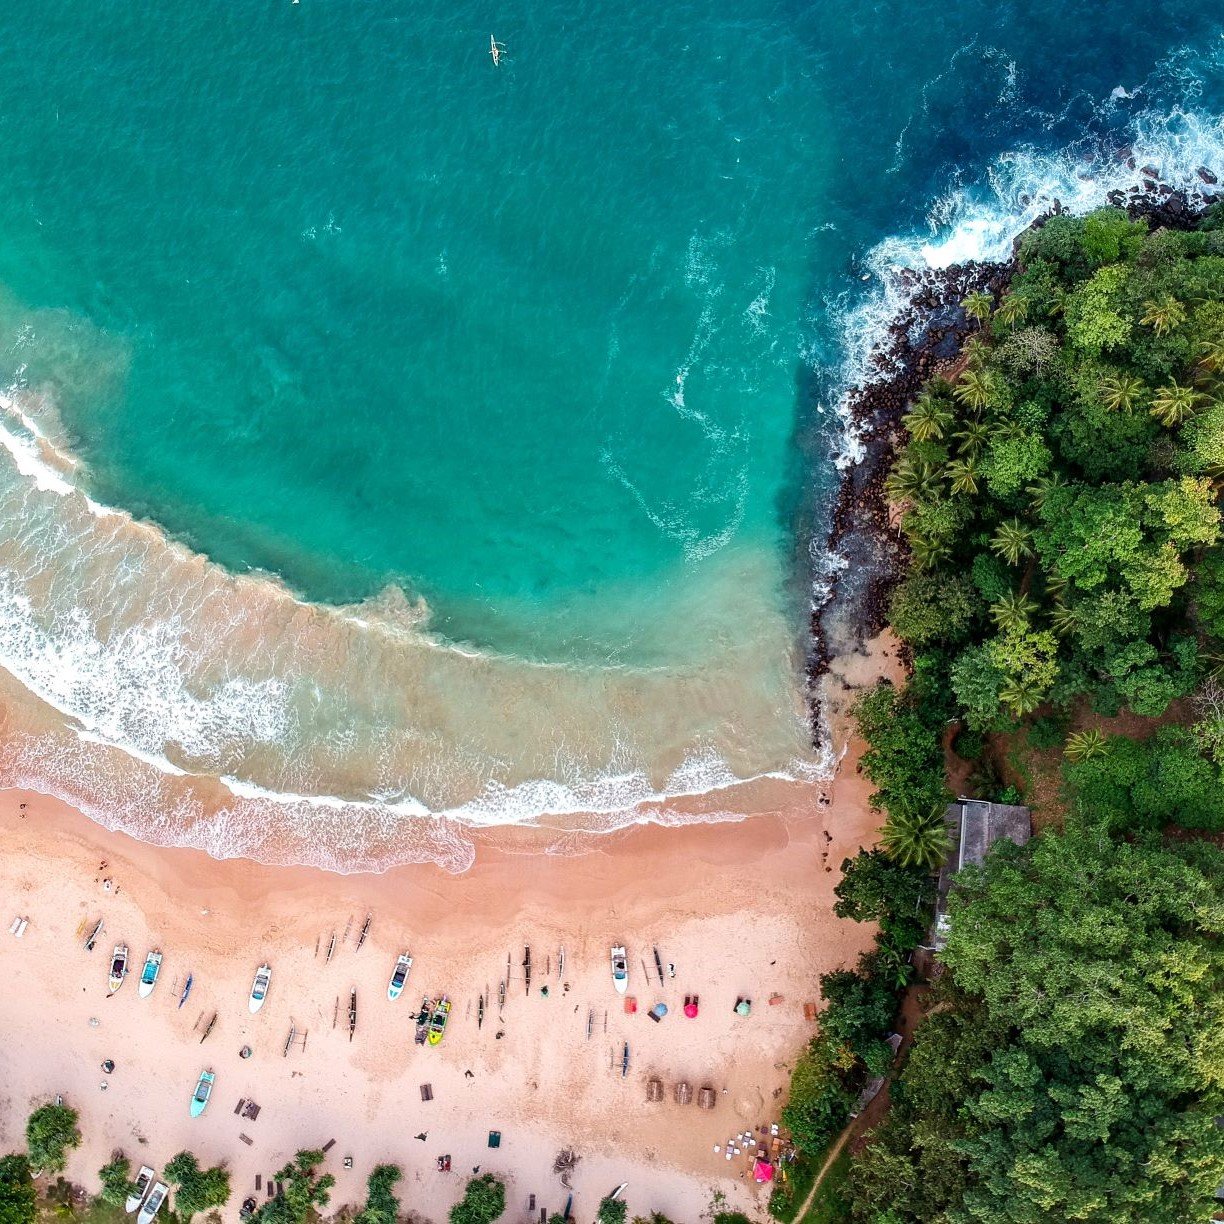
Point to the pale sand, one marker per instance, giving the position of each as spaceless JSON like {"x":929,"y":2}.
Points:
{"x":742,"y":908}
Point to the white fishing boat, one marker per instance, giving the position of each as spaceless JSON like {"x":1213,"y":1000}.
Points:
{"x":119,"y":967}
{"x":259,"y":988}
{"x":153,"y":1204}
{"x":496,"y":50}
{"x":620,"y":969}
{"x":140,"y":1187}
{"x":148,"y":975}
{"x":395,"y":987}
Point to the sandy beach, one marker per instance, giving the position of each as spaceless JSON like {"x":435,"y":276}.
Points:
{"x":738,"y":909}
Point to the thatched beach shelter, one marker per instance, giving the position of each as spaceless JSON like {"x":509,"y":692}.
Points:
{"x":706,"y":1097}
{"x":683,"y":1093}
{"x":654,"y":1089}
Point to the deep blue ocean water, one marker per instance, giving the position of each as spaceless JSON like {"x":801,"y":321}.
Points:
{"x":516,"y":359}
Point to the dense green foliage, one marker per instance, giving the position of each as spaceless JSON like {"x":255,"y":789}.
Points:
{"x":304,"y":1191}
{"x":18,"y":1199}
{"x":1071,"y":1068}
{"x":116,"y":1178}
{"x":1074,"y":1072}
{"x":196,"y":1189}
{"x":50,"y":1132}
{"x":382,"y":1206}
{"x":612,"y":1211}
{"x":483,"y":1201}
{"x":859,"y":1005}
{"x":1057,"y":494}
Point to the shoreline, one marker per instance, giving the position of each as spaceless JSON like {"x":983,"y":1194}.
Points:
{"x":742,"y":908}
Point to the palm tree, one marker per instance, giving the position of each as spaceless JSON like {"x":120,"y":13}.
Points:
{"x":1121,"y":392}
{"x":1062,"y":619}
{"x":1021,"y":696}
{"x":1163,"y":314}
{"x":909,"y":479}
{"x":1212,"y":353}
{"x":974,"y":352}
{"x":916,"y":837}
{"x":972,"y":437}
{"x":1011,"y":542}
{"x":927,"y":553}
{"x":978,"y":306}
{"x":1044,"y":486}
{"x":1175,"y":404}
{"x":963,"y":474}
{"x":1084,"y":745}
{"x":974,"y":389}
{"x":1012,"y":310}
{"x":928,"y":418}
{"x":1012,"y":611}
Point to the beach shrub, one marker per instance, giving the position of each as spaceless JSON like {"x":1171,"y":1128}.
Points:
{"x":731,"y":1217}
{"x":484,"y":1200}
{"x":382,"y":1206}
{"x":931,"y":608}
{"x":116,"y":1178}
{"x":903,"y":758}
{"x":18,"y":1197}
{"x":874,"y":888}
{"x":305,"y":1190}
{"x":612,"y":1211}
{"x":196,"y":1189}
{"x":50,"y":1132}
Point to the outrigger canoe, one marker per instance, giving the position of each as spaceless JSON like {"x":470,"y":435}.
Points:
{"x":620,"y":970}
{"x":259,"y":988}
{"x":139,"y":1188}
{"x":437,"y":1022}
{"x":203,"y":1090}
{"x":422,"y":1020}
{"x":119,"y":967}
{"x":153,"y":1204}
{"x":400,"y":975}
{"x":148,"y":975}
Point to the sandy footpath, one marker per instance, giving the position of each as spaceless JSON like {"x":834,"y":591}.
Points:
{"x":740,"y":909}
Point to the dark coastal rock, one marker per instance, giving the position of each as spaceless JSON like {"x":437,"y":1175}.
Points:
{"x":924,"y":339}
{"x":1207,"y":176}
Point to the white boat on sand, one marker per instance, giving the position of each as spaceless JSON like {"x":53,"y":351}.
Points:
{"x":148,"y":975}
{"x":259,"y":988}
{"x":399,"y":976}
{"x":140,"y":1188}
{"x":153,"y":1204}
{"x":620,"y":969}
{"x":119,"y":967}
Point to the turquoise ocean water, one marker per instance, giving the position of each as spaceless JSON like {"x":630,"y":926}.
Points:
{"x":409,"y":441}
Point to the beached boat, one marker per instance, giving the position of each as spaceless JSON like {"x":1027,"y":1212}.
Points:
{"x":422,"y":1020}
{"x":620,"y":970}
{"x":140,"y":1188}
{"x":259,"y":988}
{"x":400,"y":975}
{"x":203,"y":1090}
{"x":186,"y":989}
{"x":92,"y":937}
{"x":437,"y":1022}
{"x":119,"y":967}
{"x":153,"y":1204}
{"x":148,"y":975}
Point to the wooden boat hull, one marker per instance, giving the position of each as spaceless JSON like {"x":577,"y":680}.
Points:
{"x":259,"y":988}
{"x":202,"y":1094}
{"x":119,"y":967}
{"x":437,"y":1023}
{"x":153,"y":1204}
{"x":399,"y":978}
